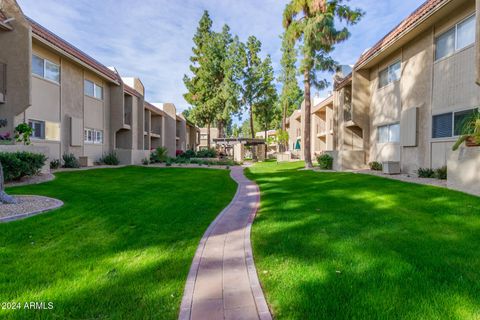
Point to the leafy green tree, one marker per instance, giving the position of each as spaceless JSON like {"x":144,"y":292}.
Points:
{"x":313,"y":25}
{"x":201,"y":85}
{"x":228,"y":78}
{"x":291,"y":95}
{"x":265,"y":109}
{"x":253,"y":86}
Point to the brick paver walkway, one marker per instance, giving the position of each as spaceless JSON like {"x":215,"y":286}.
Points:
{"x":223,"y":282}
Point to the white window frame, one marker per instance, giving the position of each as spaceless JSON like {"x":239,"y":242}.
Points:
{"x":93,"y":133}
{"x":95,"y":86}
{"x":453,"y":136}
{"x":388,"y":69}
{"x":388,"y":126}
{"x":456,"y":49}
{"x":33,"y":122}
{"x":45,"y":69}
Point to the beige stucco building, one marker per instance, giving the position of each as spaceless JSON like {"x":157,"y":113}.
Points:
{"x":73,"y":102}
{"x":214,"y":134}
{"x":406,"y":97}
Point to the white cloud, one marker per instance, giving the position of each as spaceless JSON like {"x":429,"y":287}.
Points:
{"x":152,"y":39}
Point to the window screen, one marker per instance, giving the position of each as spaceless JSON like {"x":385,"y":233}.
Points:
{"x":442,"y":125}
{"x":460,"y":121}
{"x":445,"y":44}
{"x":466,"y":33}
{"x":37,"y":66}
{"x":89,"y":88}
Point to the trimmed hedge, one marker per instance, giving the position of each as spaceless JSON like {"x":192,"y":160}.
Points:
{"x":17,"y":165}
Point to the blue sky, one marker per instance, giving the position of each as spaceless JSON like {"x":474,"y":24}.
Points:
{"x":152,"y":39}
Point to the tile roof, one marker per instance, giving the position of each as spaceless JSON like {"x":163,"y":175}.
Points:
{"x":424,"y":10}
{"x":58,"y":42}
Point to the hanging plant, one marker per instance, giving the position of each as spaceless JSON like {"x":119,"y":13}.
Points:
{"x":22,"y":133}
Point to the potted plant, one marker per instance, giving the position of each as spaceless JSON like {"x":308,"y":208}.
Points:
{"x":470,"y":133}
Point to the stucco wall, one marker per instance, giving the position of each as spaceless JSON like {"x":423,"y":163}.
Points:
{"x":169,"y":128}
{"x":15,"y":52}
{"x":464,"y":170}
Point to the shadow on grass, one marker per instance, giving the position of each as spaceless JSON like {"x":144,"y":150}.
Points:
{"x":348,"y":246}
{"x":120,"y":248}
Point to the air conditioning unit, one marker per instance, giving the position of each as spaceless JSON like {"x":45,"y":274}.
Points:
{"x":2,"y":98}
{"x":391,"y":167}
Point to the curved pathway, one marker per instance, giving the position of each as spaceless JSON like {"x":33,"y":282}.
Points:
{"x":222,"y":282}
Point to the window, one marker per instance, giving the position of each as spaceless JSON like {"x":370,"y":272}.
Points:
{"x":38,"y":129}
{"x":389,"y":133}
{"x":456,"y":38}
{"x":390,"y":74}
{"x":93,"y":136}
{"x":93,"y":90}
{"x":449,"y":124}
{"x":45,"y":69}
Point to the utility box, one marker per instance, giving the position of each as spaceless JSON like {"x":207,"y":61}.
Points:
{"x":391,"y":167}
{"x":85,"y":161}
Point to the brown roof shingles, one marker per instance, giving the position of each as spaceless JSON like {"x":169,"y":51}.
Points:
{"x":393,"y":35}
{"x":58,"y":42}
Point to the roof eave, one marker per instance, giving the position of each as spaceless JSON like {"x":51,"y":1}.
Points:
{"x":72,"y":57}
{"x":404,"y":33}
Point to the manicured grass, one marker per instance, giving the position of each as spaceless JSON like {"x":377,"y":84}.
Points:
{"x":120,"y":248}
{"x":351,"y":246}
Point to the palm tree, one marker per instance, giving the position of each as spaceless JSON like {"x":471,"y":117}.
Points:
{"x":311,"y":23}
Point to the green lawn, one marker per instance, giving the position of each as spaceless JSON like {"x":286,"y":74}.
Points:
{"x":351,"y":246}
{"x":120,"y":248}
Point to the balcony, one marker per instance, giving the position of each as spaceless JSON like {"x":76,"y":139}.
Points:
{"x":127,"y":118}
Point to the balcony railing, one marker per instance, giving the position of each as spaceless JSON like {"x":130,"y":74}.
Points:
{"x":127,"y":118}
{"x":347,"y":112}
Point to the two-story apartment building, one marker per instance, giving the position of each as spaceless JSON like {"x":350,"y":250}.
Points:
{"x":74,"y":103}
{"x":406,"y":97}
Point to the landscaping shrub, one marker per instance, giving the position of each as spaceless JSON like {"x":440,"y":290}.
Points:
{"x":178,"y":153}
{"x":146,"y":161}
{"x":325,"y":161}
{"x":188,"y":154}
{"x":55,"y":164}
{"x":425,"y":173}
{"x":207,"y":153}
{"x":70,"y":161}
{"x":110,"y":158}
{"x":17,"y":165}
{"x":159,"y":155}
{"x":375,"y":165}
{"x":441,"y":173}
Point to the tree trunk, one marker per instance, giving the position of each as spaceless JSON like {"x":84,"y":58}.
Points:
{"x":252,"y":133}
{"x":4,"y":198}
{"x":221,"y":129}
{"x":208,"y":135}
{"x":266,"y":144}
{"x":282,"y":144}
{"x":306,"y":132}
